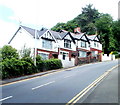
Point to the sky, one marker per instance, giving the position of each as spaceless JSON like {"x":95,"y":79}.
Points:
{"x":45,"y":13}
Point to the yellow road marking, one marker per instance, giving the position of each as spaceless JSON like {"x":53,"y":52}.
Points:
{"x":94,"y":83}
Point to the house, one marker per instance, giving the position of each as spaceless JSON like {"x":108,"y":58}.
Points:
{"x":67,"y":48}
{"x":95,"y":46}
{"x":83,"y":45}
{"x":71,"y":48}
{"x":49,"y":44}
{"x":45,"y":42}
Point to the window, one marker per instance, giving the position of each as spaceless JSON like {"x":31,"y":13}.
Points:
{"x":83,"y":44}
{"x":64,"y":55}
{"x":67,"y":43}
{"x":93,"y":53}
{"x":97,"y":44}
{"x":44,"y":56}
{"x":46,"y":44}
{"x":94,"y":44}
{"x":82,"y":54}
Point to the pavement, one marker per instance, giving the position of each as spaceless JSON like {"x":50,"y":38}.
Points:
{"x":105,"y":92}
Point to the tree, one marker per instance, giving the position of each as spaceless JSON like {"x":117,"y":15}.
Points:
{"x":85,"y":20}
{"x":58,"y":27}
{"x":9,"y":52}
{"x":116,"y":34}
{"x":104,"y":24}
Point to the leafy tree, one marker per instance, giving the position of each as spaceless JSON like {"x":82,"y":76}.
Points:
{"x":9,"y":52}
{"x":104,"y":24}
{"x":116,"y":34}
{"x":85,"y":20}
{"x":58,"y":27}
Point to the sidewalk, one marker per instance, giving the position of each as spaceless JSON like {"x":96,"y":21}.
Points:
{"x":105,"y":92}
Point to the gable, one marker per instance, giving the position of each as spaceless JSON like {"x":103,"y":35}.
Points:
{"x":83,"y":37}
{"x":67,"y":37}
{"x":96,"y":39}
{"x":48,"y":36}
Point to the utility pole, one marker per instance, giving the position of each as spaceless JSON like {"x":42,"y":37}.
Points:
{"x":35,"y":49}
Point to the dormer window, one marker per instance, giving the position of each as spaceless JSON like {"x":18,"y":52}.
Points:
{"x":94,"y":44}
{"x":83,"y":44}
{"x":46,"y":44}
{"x":67,"y":43}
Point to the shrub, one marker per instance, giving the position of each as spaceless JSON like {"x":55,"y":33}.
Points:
{"x":8,"y":52}
{"x":29,"y":67}
{"x":117,"y":55}
{"x":40,"y":65}
{"x":12,"y":68}
{"x":53,"y":64}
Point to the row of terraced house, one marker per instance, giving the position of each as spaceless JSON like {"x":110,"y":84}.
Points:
{"x":71,"y":48}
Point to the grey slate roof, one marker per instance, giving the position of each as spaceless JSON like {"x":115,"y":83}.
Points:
{"x":56,"y":34}
{"x":32,"y":31}
{"x":63,"y":34}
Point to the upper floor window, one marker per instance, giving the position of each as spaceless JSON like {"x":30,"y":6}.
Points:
{"x":94,"y":44}
{"x":83,"y":44}
{"x":97,"y":44}
{"x":67,"y":43}
{"x":46,"y":44}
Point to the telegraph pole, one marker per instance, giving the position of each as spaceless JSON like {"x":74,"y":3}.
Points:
{"x":35,"y":49}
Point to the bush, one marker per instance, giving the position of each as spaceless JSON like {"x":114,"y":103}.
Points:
{"x":8,"y":52}
{"x":40,"y":65}
{"x":117,"y":55}
{"x":12,"y":68}
{"x":53,"y":64}
{"x":29,"y":67}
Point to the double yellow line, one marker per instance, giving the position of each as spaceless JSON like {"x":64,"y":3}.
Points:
{"x":94,"y":83}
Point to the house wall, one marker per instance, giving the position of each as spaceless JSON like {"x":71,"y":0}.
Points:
{"x":61,"y":43}
{"x":98,"y":45}
{"x":22,"y":39}
{"x":87,"y":45}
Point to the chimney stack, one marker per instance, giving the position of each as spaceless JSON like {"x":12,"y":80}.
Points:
{"x":77,"y":30}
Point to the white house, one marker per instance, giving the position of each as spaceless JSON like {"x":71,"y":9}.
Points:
{"x":95,"y":46}
{"x":45,"y":42}
{"x":49,"y":44}
{"x":66,"y":46}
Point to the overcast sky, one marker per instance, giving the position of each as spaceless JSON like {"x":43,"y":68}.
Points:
{"x":46,"y":13}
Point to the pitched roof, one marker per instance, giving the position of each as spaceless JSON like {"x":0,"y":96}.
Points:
{"x":32,"y":31}
{"x":56,"y":34}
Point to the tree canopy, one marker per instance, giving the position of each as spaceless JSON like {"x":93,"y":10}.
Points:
{"x":92,"y":21}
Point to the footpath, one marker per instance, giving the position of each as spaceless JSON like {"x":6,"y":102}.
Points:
{"x":106,"y":92}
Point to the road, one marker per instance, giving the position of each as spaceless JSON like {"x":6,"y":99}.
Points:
{"x":59,"y":87}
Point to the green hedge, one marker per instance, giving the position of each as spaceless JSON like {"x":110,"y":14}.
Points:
{"x":12,"y":66}
{"x":15,"y":67}
{"x":53,"y":64}
{"x":18,"y":67}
